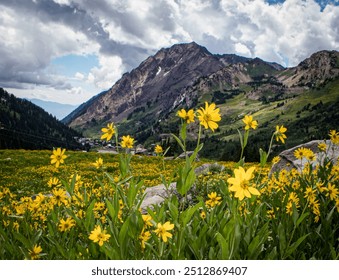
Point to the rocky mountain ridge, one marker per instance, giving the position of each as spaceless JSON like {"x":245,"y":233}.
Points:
{"x":163,"y":77}
{"x":144,"y":101}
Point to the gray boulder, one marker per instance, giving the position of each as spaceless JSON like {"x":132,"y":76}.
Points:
{"x":157,"y":194}
{"x":288,"y":161}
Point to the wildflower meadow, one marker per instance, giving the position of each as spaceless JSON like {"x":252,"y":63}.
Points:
{"x":64,"y":205}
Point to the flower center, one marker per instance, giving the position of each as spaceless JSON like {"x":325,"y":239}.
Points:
{"x":244,"y":184}
{"x":207,"y":117}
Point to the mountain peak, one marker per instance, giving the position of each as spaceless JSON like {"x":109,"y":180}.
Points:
{"x":182,"y":76}
{"x":313,"y":71}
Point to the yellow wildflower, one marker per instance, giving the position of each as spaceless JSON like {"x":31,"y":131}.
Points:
{"x":334,"y":135}
{"x":163,"y":231}
{"x":16,"y":226}
{"x":144,"y":236}
{"x":322,"y":147}
{"x":209,"y":116}
{"x":310,"y":194}
{"x":186,"y":116}
{"x":98,"y":163}
{"x":98,"y":235}
{"x":302,"y":152}
{"x":108,"y":131}
{"x":58,"y":157}
{"x":35,"y":252}
{"x":65,"y":225}
{"x":147,"y":220}
{"x":332,"y":191}
{"x":289,"y":208}
{"x":59,"y":197}
{"x":158,"y":149}
{"x":249,"y":122}
{"x":99,"y":206}
{"x":280,"y":133}
{"x":240,"y":183}
{"x":270,"y":214}
{"x":337,"y":204}
{"x":275,"y":160}
{"x":293,"y":197}
{"x":127,"y":142}
{"x":214,"y":200}
{"x":54,"y":182}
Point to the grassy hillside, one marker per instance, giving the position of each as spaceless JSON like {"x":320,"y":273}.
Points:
{"x":308,"y":115}
{"x":24,"y":125}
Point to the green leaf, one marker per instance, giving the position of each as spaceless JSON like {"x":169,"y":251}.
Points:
{"x":295,"y":214}
{"x":111,"y":210}
{"x":302,"y":217}
{"x":224,"y":246}
{"x":18,"y":236}
{"x":256,"y":245}
{"x":183,"y":133}
{"x":295,"y":245}
{"x":282,"y":239}
{"x":330,"y":214}
{"x":89,"y":217}
{"x":173,"y":211}
{"x":241,"y":140}
{"x":186,"y":216}
{"x":247,"y":132}
{"x":186,"y":177}
{"x":193,"y":157}
{"x":240,"y":163}
{"x":263,"y":157}
{"x":179,"y":142}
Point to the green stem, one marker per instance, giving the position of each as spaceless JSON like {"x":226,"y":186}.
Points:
{"x":270,"y":147}
{"x":199,"y":136}
{"x":294,"y":228}
{"x":247,"y":132}
{"x":268,"y":154}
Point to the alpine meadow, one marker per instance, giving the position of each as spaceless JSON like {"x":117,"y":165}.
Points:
{"x":190,"y":156}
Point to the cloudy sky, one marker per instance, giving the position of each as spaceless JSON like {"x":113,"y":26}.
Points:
{"x":69,"y":50}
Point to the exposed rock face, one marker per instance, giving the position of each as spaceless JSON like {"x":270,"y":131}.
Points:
{"x":313,"y":71}
{"x":159,"y":79}
{"x":288,"y":161}
{"x":156,"y":195}
{"x":163,"y":81}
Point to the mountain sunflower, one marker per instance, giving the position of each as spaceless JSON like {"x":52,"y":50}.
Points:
{"x":66,"y":225}
{"x":127,"y":142}
{"x":162,"y":230}
{"x":249,"y":122}
{"x":98,"y":163}
{"x":280,"y":133}
{"x":98,"y":235}
{"x":186,"y":116}
{"x":240,"y":183}
{"x":158,"y":149}
{"x":35,"y":252}
{"x":209,"y":116}
{"x":108,"y":131}
{"x":58,"y":157}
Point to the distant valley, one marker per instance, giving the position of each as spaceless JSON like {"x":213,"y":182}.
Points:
{"x":58,"y":110}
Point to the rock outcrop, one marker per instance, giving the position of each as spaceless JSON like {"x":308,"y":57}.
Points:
{"x":288,"y":160}
{"x":157,"y":194}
